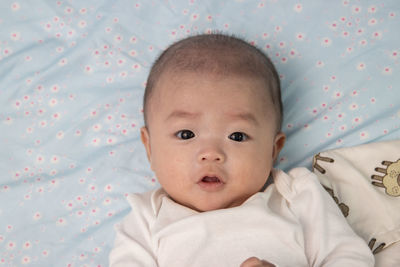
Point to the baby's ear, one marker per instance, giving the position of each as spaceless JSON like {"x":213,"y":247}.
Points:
{"x":279,"y":142}
{"x":145,"y":137}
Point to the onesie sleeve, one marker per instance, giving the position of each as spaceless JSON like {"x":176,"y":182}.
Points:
{"x":133,"y":243}
{"x":329,"y":241}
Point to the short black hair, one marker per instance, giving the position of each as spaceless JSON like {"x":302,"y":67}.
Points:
{"x":220,"y":54}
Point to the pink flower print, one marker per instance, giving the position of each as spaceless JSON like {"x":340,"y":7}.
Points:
{"x":111,"y":140}
{"x":95,"y":211}
{"x":121,"y":62}
{"x":356,"y":9}
{"x":54,"y":159}
{"x":360,"y":31}
{"x":173,"y":33}
{"x":37,"y":216}
{"x":97,"y":127}
{"x":92,"y":188}
{"x":320,"y":64}
{"x":133,"y":53}
{"x":45,"y":253}
{"x":55,"y":88}
{"x":387,"y":70}
{"x":48,"y":26}
{"x":68,"y":10}
{"x":107,"y":201}
{"x":79,"y":213}
{"x":88,"y":69}
{"x":27,"y":245}
{"x":15,"y":6}
{"x":108,"y":188}
{"x":326,"y":41}
{"x":110,"y":79}
{"x":95,"y":141}
{"x":63,"y":62}
{"x":333,"y":25}
{"x":118,"y":38}
{"x":26,"y":260}
{"x":82,"y":24}
{"x":136,"y":66}
{"x":337,"y":95}
{"x":363,"y":42}
{"x":15,"y":36}
{"x":17,"y":104}
{"x":340,"y":116}
{"x":133,"y":40}
{"x":357,"y":120}
{"x":353,"y":106}
{"x":372,"y":9}
{"x":194,"y":17}
{"x":60,"y":135}
{"x":377,"y":35}
{"x":11,"y":245}
{"x":61,"y":222}
{"x":40,"y":159}
{"x":53,"y":102}
{"x":300,"y":36}
{"x":364,"y":135}
{"x":298,"y":8}
{"x":372,"y":22}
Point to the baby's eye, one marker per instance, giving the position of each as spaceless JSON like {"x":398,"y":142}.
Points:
{"x":185,"y":134}
{"x":238,"y":136}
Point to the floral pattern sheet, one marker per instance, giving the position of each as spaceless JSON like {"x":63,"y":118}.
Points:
{"x":72,"y":76}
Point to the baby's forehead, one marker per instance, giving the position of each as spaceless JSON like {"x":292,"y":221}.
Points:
{"x":176,"y":83}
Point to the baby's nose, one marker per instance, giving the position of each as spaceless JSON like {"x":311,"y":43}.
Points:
{"x":212,"y":155}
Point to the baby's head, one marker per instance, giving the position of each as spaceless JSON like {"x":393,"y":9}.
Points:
{"x":213,"y":115}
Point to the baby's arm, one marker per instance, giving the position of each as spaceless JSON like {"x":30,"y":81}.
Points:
{"x":328,"y":238}
{"x":133,"y":242}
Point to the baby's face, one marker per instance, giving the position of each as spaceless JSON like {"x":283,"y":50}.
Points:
{"x":211,"y":141}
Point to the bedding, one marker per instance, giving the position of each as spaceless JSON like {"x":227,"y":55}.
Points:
{"x":364,"y":181}
{"x":72,"y":77}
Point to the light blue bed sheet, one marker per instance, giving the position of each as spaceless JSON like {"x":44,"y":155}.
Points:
{"x":72,"y":77}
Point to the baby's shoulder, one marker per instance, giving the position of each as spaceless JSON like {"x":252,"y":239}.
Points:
{"x":295,"y":180}
{"x":149,"y":201}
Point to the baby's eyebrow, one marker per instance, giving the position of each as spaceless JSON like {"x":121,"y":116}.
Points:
{"x":181,"y":114}
{"x":245,"y":116}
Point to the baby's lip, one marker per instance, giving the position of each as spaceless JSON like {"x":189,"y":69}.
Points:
{"x":211,"y":182}
{"x":211,"y":178}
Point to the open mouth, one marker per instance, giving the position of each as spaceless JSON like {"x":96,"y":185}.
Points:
{"x":208,"y":179}
{"x":211,"y":183}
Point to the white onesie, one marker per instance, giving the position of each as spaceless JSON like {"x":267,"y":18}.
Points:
{"x":294,"y":222}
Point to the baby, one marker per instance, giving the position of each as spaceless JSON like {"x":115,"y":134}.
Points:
{"x":213,"y":115}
